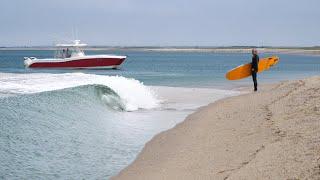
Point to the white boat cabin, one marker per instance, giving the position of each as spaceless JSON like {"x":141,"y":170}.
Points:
{"x":69,"y":50}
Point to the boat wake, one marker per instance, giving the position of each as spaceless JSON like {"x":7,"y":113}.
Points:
{"x":118,"y":93}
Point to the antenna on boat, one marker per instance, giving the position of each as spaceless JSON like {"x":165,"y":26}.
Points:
{"x":77,"y":37}
{"x":59,"y":38}
{"x":74,"y":33}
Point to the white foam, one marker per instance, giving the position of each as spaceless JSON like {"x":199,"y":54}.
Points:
{"x":133,"y":93}
{"x":180,"y":98}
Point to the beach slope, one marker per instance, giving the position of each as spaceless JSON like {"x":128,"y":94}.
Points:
{"x":271,"y":134}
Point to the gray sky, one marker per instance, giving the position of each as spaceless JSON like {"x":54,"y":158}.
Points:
{"x":161,"y":22}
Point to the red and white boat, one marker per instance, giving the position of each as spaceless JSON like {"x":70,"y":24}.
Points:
{"x":72,"y":56}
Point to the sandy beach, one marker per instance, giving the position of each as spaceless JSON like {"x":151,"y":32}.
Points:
{"x":271,"y":134}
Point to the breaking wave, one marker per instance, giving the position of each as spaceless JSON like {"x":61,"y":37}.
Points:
{"x":118,"y":93}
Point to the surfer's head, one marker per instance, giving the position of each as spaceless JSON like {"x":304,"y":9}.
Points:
{"x":254,"y":51}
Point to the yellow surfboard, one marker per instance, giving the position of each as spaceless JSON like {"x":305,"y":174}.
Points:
{"x":244,"y":70}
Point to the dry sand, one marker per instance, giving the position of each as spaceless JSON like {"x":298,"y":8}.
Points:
{"x":271,"y":134}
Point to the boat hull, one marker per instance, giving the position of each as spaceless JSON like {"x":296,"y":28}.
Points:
{"x":98,"y":63}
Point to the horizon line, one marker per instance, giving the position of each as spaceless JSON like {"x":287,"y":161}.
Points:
{"x":164,"y":46}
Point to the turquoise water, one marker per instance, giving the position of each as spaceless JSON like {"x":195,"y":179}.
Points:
{"x":188,"y":69}
{"x":90,"y":124}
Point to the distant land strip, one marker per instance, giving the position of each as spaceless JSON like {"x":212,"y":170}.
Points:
{"x":315,"y":50}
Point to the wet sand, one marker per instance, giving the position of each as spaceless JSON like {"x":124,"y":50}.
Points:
{"x":271,"y":134}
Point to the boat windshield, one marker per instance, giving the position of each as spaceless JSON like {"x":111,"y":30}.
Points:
{"x":68,"y":52}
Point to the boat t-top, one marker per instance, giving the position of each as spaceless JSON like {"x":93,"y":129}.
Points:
{"x":72,"y":56}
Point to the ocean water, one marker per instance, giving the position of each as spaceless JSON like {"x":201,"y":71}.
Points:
{"x":90,"y":124}
{"x":186,"y":69}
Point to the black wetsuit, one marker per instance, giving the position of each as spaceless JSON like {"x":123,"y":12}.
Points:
{"x":254,"y":67}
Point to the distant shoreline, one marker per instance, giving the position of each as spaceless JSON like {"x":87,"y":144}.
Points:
{"x":282,"y":50}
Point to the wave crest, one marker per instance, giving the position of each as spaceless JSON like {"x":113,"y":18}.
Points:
{"x":117,"y":92}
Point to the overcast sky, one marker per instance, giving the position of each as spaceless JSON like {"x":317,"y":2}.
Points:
{"x":161,"y":22}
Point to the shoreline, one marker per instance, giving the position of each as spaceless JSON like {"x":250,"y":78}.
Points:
{"x":269,"y":134}
{"x":272,"y":50}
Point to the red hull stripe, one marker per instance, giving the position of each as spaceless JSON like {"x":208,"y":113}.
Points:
{"x":82,"y":63}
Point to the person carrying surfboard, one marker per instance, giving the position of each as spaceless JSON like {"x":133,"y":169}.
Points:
{"x":254,"y":68}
